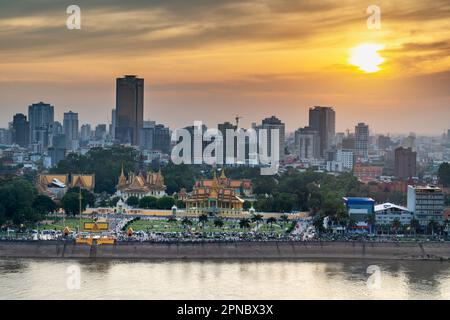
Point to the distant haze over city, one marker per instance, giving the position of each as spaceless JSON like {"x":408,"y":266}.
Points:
{"x":211,"y":62}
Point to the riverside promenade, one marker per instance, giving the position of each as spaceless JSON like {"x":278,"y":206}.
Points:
{"x":228,"y":250}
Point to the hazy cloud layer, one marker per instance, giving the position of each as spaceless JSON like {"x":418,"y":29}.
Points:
{"x":252,"y":57}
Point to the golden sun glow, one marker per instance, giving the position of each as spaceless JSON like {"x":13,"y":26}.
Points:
{"x":366,"y":57}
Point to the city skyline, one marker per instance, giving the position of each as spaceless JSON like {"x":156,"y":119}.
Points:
{"x":196,"y":58}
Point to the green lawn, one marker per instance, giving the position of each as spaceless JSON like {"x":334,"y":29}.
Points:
{"x":60,"y":224}
{"x":231,"y":226}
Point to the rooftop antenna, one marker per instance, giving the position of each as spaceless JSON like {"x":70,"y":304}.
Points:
{"x":237,"y":121}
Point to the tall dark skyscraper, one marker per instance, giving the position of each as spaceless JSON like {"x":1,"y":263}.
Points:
{"x":162,"y":139}
{"x":41,"y":117}
{"x":70,"y":125}
{"x":405,"y":163}
{"x":307,"y":143}
{"x":323,"y":120}
{"x":21,"y":130}
{"x":129,"y":109}
{"x":362,"y":140}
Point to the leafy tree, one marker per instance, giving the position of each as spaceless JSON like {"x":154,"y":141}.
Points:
{"x":148,"y":202}
{"x":88,"y":198}
{"x":264,"y":204}
{"x":180,"y":204}
{"x":44,"y":205}
{"x":25,"y":214}
{"x":16,"y":199}
{"x":284,"y":202}
{"x":71,"y":204}
{"x":106,"y":164}
{"x":133,"y":201}
{"x":113,"y":201}
{"x":247,"y":205}
{"x":264,"y":185}
{"x":165,"y":203}
{"x":179,"y":176}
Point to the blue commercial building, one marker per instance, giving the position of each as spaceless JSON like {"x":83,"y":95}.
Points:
{"x":359,"y":210}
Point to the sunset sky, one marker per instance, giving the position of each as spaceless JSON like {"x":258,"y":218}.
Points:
{"x":210,"y":59}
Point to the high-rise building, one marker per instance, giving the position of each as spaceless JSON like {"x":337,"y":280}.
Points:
{"x":57,"y":151}
{"x":112,"y":128}
{"x":41,"y":118}
{"x":85,"y":135}
{"x":307,"y":143}
{"x":349,"y":142}
{"x":362,"y":140}
{"x":323,"y":120}
{"x":345,"y":157}
{"x":70,"y":125}
{"x":147,"y":135}
{"x":100,"y":132}
{"x":155,"y":137}
{"x":5,"y":136}
{"x":273,"y":123}
{"x":384,"y":142}
{"x":409,"y":141}
{"x":129,"y":109}
{"x":426,"y":203}
{"x":405,"y":163}
{"x":21,"y":130}
{"x":161,"y":139}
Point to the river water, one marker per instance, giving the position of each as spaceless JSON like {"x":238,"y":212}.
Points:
{"x":324,"y":279}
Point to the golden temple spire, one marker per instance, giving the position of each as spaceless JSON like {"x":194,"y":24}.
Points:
{"x":122,"y":178}
{"x":222,"y":174}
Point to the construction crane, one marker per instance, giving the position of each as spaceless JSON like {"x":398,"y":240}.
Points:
{"x":237,"y":121}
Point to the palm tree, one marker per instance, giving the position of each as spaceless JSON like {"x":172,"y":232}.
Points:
{"x":257,"y":218}
{"x":371,"y":220}
{"x":396,"y":224}
{"x":351,"y":223}
{"x":172,"y":219}
{"x":218,"y":222}
{"x":445,"y":226}
{"x":244,"y":223}
{"x":203,"y":219}
{"x":415,"y":225}
{"x":432,"y":225}
{"x":186,"y":221}
{"x":271,"y":221}
{"x":284,"y":219}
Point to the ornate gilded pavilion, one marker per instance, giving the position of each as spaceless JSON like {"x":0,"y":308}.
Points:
{"x":214,"y":196}
{"x":140,"y":185}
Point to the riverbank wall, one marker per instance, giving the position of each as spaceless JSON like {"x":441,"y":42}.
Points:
{"x":229,"y":250}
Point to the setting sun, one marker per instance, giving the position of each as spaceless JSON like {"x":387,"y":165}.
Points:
{"x":366,"y":57}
